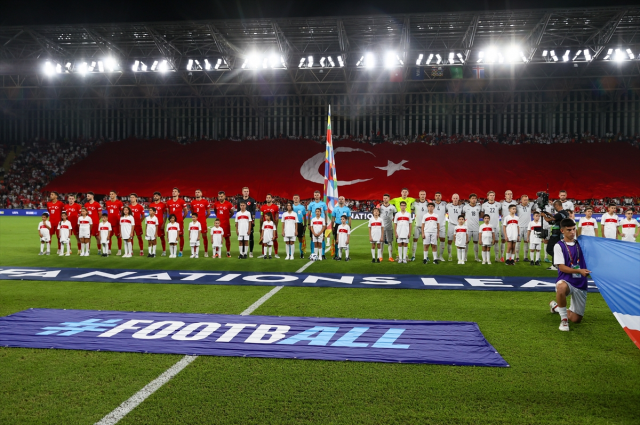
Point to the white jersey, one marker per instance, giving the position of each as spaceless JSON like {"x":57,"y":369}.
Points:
{"x":419,"y":209}
{"x":629,"y":228}
{"x":243,"y":220}
{"x":44,"y":227}
{"x":152,"y":225}
{"x":84,"y":225}
{"x":461,"y":236}
{"x":568,"y":205}
{"x":486,"y":234}
{"x":493,"y":210}
{"x":344,"y":230}
{"x":64,"y":230}
{"x":317,"y":223}
{"x":510,"y":224}
{"x":533,"y":226}
{"x":472,"y":216}
{"x":609,"y":225}
{"x":387,"y":213}
{"x":290,"y":220}
{"x":454,"y":211}
{"x":104,"y":228}
{"x":403,"y":224}
{"x":126,"y":226}
{"x":504,"y":206}
{"x":217,"y":233}
{"x":375,"y":224}
{"x":524,"y":214}
{"x":430,"y":222}
{"x":588,"y":226}
{"x":268,"y":230}
{"x":194,"y":231}
{"x":441,"y":211}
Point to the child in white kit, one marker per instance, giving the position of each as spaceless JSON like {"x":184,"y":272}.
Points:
{"x":609,"y":222}
{"x":430,"y":231}
{"x":105,"y":229}
{"x":173,"y":231}
{"x":462,"y":239}
{"x":217,"y":233}
{"x":511,"y":231}
{"x":64,"y":234}
{"x":268,"y":234}
{"x":535,"y":243}
{"x":344,"y":234}
{"x":194,"y":235}
{"x":44,"y":231}
{"x":629,"y":226}
{"x":152,"y":231}
{"x":487,"y":238}
{"x":318,"y":225}
{"x":588,"y":225}
{"x":375,"y":236}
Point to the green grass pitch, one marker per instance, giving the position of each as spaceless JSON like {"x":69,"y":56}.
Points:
{"x":589,"y":375}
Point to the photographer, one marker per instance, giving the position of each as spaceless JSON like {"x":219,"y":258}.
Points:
{"x":554,"y":220}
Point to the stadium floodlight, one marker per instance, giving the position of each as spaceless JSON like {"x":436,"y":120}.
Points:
{"x":59,"y":68}
{"x":587,"y":55}
{"x":82,"y":68}
{"x":630,"y":53}
{"x":553,"y":55}
{"x":500,"y":58}
{"x":439,"y":59}
{"x":143,"y":67}
{"x":49,"y":69}
{"x":451,"y":57}
{"x":207,"y":65}
{"x":389,"y":60}
{"x":265,"y":63}
{"x":545,"y":53}
{"x":284,"y":64}
{"x":608,"y":56}
{"x":154,"y":65}
{"x":460,"y":57}
{"x":322,"y":61}
{"x":218,"y":63}
{"x":134,"y":68}
{"x":491,"y":56}
{"x":480,"y":56}
{"x":340,"y":61}
{"x":301,"y":62}
{"x":419,"y":60}
{"x":360,"y":61}
{"x":189,"y":64}
{"x":163,"y":66}
{"x":369,"y":60}
{"x":310,"y":61}
{"x":523,"y":57}
{"x":429,"y":58}
{"x":92,"y":66}
{"x":619,"y":56}
{"x":400,"y":60}
{"x":331,"y":61}
{"x":576,"y":55}
{"x":100,"y":66}
{"x":565,"y":57}
{"x":110,"y":64}
{"x":274,"y":60}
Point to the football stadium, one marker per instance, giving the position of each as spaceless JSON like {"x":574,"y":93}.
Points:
{"x":385,"y":218}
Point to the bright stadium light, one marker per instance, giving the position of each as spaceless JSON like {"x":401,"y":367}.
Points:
{"x":553,"y":55}
{"x":331,"y":62}
{"x":480,"y":56}
{"x":143,"y":67}
{"x":587,"y":55}
{"x":265,"y":63}
{"x":49,"y":69}
{"x":369,"y":60}
{"x":439,"y":59}
{"x":630,"y":53}
{"x":609,"y":52}
{"x":92,"y":66}
{"x":545,"y":53}
{"x":341,"y":61}
{"x":100,"y":66}
{"x":491,"y":56}
{"x":360,"y":61}
{"x":576,"y":55}
{"x":310,"y":61}
{"x":82,"y":68}
{"x":430,"y":58}
{"x":523,"y":57}
{"x":390,"y":60}
{"x":110,"y":64}
{"x":274,"y":61}
{"x":189,"y":64}
{"x":154,"y":65}
{"x":301,"y":62}
{"x":322,"y":61}
{"x":58,"y":68}
{"x":284,"y":64}
{"x":565,"y":57}
{"x":419,"y":60}
{"x":460,"y":57}
{"x":134,"y":68}
{"x":619,"y":56}
{"x":451,"y":57}
{"x":218,"y":63}
{"x":163,"y":66}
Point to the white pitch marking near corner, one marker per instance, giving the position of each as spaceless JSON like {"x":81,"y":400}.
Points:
{"x":121,"y":411}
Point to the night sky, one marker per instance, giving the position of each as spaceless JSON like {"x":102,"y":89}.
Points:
{"x":44,"y":12}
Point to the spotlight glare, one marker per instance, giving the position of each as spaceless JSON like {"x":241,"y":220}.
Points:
{"x":341,"y":61}
{"x":439,"y":59}
{"x":429,"y":58}
{"x":322,"y":61}
{"x":460,"y":57}
{"x":369,"y":60}
{"x":544,"y":53}
{"x":301,"y":62}
{"x":154,"y":65}
{"x":189,"y":64}
{"x":331,"y":61}
{"x":143,"y":67}
{"x":48,"y":68}
{"x":389,"y":60}
{"x":82,"y":68}
{"x":587,"y":55}
{"x":310,"y":59}
{"x":59,"y":68}
{"x":619,"y":56}
{"x":134,"y":68}
{"x":360,"y":61}
{"x":100,"y":66}
{"x":163,"y":66}
{"x":419,"y":59}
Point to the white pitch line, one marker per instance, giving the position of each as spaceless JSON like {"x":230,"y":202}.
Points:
{"x":121,"y":411}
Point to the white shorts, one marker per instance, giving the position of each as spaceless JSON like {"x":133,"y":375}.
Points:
{"x":512,"y":235}
{"x":150,"y":238}
{"x":65,"y":240}
{"x":430,"y":239}
{"x":578,"y":299}
{"x":523,"y":234}
{"x":343,"y":245}
{"x":45,"y":239}
{"x":267,"y":243}
{"x":104,"y":240}
{"x":289,"y":238}
{"x":318,"y":239}
{"x":194,"y":243}
{"x":403,"y":240}
{"x":473,"y":235}
{"x":451,"y":231}
{"x":243,"y":237}
{"x":127,"y":235}
{"x":84,"y":234}
{"x":534,"y":247}
{"x":172,"y":237}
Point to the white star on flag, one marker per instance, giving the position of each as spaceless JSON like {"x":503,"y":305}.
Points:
{"x":392,"y":168}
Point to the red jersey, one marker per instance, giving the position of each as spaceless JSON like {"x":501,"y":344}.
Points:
{"x":114,"y":210}
{"x":177,"y":208}
{"x":94,"y":210}
{"x":273,"y":209}
{"x":223,"y":211}
{"x":161,"y":209}
{"x":55,"y":209}
{"x":137,"y":211}
{"x":73,"y":212}
{"x":200,"y":207}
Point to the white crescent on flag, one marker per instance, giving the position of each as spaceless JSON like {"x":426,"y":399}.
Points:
{"x":309,"y":169}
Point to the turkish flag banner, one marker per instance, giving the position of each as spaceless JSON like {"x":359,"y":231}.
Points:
{"x":288,"y":167}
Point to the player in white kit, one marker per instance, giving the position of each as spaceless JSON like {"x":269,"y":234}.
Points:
{"x":588,"y":225}
{"x":244,"y":222}
{"x":472,"y":213}
{"x":629,"y":226}
{"x":217,"y":234}
{"x":402,"y":230}
{"x":535,"y":243}
{"x":64,"y":234}
{"x":504,"y":209}
{"x":523,"y":211}
{"x":344,"y":235}
{"x":609,"y":223}
{"x":430,"y":229}
{"x":376,"y":237}
{"x":454,"y":210}
{"x":195,"y":228}
{"x":441,"y":211}
{"x":317,"y":226}
{"x":462,"y":239}
{"x":173,"y":233}
{"x":44,"y":231}
{"x":85,"y":230}
{"x":268,"y":234}
{"x":487,"y":237}
{"x":510,"y":230}
{"x":419,"y":208}
{"x":387,"y":211}
{"x":127,"y":223}
{"x":104,"y":232}
{"x":493,"y":209}
{"x":151,"y":232}
{"x":289,"y":230}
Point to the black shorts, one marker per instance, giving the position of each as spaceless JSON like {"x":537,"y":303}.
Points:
{"x":300,"y":230}
{"x":335,"y":230}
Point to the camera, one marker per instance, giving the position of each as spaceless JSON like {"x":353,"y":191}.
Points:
{"x":542,"y":201}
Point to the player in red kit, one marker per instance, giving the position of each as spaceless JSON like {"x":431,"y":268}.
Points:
{"x":161,"y":215}
{"x":224,"y":210}
{"x":274,"y":210}
{"x":201,"y":207}
{"x":94,"y":210}
{"x":137,"y":211}
{"x":55,"y":207}
{"x":178,"y":207}
{"x":73,"y":211}
{"x":114,"y":211}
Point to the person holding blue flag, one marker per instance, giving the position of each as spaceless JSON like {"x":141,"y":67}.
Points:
{"x":311,"y":212}
{"x":337,"y":213}
{"x":572,"y":276}
{"x":301,"y":213}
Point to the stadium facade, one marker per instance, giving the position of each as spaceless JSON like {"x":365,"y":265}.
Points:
{"x":522,"y":71}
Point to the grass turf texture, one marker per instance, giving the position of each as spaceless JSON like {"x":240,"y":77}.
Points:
{"x":588,"y":375}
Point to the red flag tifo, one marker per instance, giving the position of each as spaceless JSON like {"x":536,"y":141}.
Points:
{"x":288,"y":167}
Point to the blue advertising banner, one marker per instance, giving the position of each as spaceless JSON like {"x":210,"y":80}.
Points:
{"x":362,"y":340}
{"x":335,"y":280}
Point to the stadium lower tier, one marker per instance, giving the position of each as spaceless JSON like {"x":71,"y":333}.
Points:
{"x":288,"y":167}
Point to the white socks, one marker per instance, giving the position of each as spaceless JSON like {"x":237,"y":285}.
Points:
{"x":563,"y":313}
{"x":390,"y":248}
{"x":536,"y":255}
{"x":173,"y":248}
{"x":475,"y":250}
{"x":415,"y":248}
{"x":373,"y":253}
{"x":425,"y":254}
{"x":462,"y":254}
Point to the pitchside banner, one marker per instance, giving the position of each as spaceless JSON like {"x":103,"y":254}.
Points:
{"x":477,"y":283}
{"x":363,"y":340}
